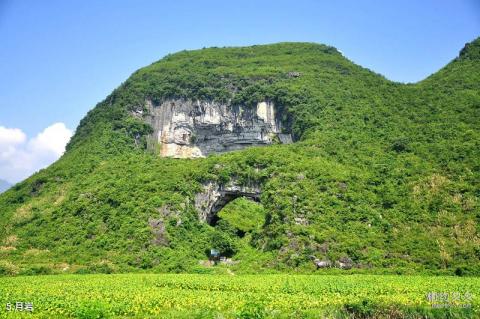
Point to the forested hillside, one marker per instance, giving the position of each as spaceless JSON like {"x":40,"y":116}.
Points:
{"x":382,"y":176}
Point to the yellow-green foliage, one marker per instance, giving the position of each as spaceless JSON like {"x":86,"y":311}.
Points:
{"x":227,"y":296}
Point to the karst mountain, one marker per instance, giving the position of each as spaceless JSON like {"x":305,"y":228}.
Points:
{"x":281,"y":157}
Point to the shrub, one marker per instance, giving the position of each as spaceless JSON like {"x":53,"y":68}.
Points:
{"x":37,"y":270}
{"x":8,"y":269}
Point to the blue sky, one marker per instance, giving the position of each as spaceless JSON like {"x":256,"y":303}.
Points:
{"x":59,"y":58}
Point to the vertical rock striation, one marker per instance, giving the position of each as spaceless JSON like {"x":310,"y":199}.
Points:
{"x":189,"y":129}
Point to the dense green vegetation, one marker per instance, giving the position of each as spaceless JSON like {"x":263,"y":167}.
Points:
{"x":257,"y":296}
{"x":383,"y":174}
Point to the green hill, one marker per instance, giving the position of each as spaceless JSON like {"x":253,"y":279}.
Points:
{"x":383,"y":176}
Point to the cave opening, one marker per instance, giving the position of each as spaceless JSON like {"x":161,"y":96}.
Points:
{"x":226,"y":197}
{"x":235,"y":216}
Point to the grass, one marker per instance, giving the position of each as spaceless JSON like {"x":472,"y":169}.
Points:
{"x":233,"y":296}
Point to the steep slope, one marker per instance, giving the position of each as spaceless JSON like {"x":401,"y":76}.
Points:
{"x":382,"y":176}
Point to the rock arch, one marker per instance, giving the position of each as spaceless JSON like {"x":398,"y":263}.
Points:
{"x":215,"y":196}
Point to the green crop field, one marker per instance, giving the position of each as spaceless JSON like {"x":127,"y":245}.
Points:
{"x":244,"y":296}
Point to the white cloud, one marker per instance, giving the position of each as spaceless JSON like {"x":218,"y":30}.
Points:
{"x":20,"y":158}
{"x":11,"y":136}
{"x":52,"y":139}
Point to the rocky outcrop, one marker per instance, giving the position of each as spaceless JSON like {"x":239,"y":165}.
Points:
{"x":215,"y":196}
{"x":189,"y":129}
{"x":321,"y":263}
{"x":342,"y":263}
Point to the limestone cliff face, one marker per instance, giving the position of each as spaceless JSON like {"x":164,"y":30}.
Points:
{"x":188,"y":129}
{"x":215,"y":196}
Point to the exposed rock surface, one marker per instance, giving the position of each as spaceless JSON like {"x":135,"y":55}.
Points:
{"x":215,"y":196}
{"x":158,"y":229}
{"x":189,"y":129}
{"x":321,"y":263}
{"x":342,"y":263}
